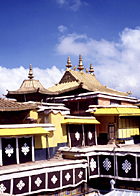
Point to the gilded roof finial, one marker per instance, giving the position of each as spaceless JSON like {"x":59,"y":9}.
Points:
{"x":129,"y":93}
{"x":81,"y":67}
{"x":69,"y":65}
{"x":30,"y":76}
{"x":91,"y":69}
{"x":74,"y":68}
{"x":86,"y":70}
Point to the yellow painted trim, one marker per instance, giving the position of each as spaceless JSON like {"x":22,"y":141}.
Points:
{"x":80,"y":121}
{"x":118,"y":111}
{"x":23,"y":131}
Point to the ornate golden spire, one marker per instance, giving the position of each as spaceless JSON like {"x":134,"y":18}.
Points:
{"x":91,"y":69}
{"x":69,"y":65}
{"x":30,"y":76}
{"x":81,"y":67}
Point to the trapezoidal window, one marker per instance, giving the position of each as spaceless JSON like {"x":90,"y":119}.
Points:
{"x":81,"y":135}
{"x":16,"y":150}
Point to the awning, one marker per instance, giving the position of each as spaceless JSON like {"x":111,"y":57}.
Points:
{"x":118,"y":111}
{"x":24,"y":131}
{"x":79,"y":121}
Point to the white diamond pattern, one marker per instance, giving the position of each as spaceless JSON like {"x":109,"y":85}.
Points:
{"x":77,"y":135}
{"x":54,"y":179}
{"x":25,"y":149}
{"x":107,"y":164}
{"x":89,"y":135}
{"x":38,"y":182}
{"x":2,"y":188}
{"x":20,"y":185}
{"x":80,"y":174}
{"x":67,"y":176}
{"x":93,"y":164}
{"x":126,"y":166}
{"x":9,"y":150}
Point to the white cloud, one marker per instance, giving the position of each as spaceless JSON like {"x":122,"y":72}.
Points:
{"x":72,"y":44}
{"x":61,"y":2}
{"x":74,"y":5}
{"x":12,"y":79}
{"x":48,"y":77}
{"x":62,"y":28}
{"x":117,"y":63}
{"x":84,"y":45}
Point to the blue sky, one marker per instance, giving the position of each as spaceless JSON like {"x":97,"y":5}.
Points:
{"x":45,"y":32}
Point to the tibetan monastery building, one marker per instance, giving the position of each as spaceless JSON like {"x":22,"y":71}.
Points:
{"x":92,"y":137}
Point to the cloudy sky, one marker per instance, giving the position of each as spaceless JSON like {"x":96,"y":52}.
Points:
{"x":45,"y":32}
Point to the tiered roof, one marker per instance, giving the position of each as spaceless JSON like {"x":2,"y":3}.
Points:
{"x":73,"y":80}
{"x":30,"y":86}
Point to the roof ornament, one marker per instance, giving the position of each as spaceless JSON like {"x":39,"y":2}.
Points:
{"x":91,"y":70}
{"x":69,"y":65}
{"x":30,"y":76}
{"x":129,"y":93}
{"x":74,"y":68}
{"x":81,"y":67}
{"x":86,"y":70}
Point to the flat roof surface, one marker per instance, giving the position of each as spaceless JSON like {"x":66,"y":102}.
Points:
{"x":121,"y":192}
{"x":15,"y":168}
{"x":135,"y":148}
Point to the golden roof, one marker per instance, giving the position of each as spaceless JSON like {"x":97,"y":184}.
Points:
{"x":73,"y":79}
{"x":64,"y":87}
{"x":30,"y":86}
